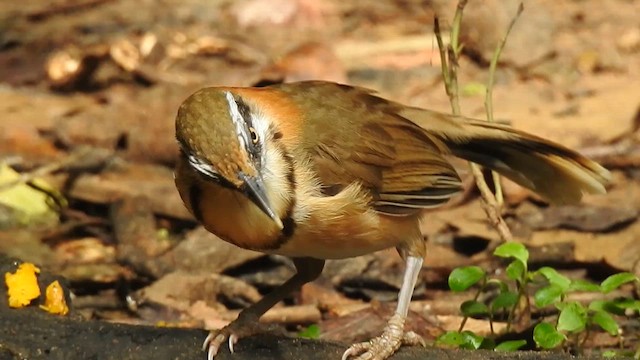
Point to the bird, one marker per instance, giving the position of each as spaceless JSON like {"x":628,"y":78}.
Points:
{"x":318,"y":170}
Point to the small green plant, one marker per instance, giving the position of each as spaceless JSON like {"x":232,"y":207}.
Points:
{"x":572,"y":322}
{"x":310,"y":332}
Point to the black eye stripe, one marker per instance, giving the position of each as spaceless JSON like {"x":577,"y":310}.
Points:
{"x":253,"y":142}
{"x":245,"y":112}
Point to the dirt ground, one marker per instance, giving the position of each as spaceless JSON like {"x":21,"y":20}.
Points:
{"x":88,"y":95}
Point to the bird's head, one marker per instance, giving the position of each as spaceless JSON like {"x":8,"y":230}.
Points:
{"x":223,"y":141}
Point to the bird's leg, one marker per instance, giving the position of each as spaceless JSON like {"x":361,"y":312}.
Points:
{"x":307,"y":269}
{"x":393,"y":335}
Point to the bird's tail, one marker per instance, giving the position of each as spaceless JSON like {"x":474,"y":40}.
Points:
{"x":557,"y":173}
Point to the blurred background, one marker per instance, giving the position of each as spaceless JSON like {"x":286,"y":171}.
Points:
{"x":88,"y":94}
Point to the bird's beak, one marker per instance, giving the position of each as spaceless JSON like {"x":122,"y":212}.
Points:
{"x":255,"y":190}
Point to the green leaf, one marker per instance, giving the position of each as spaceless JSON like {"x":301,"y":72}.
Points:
{"x":311,"y":332}
{"x":572,"y":318}
{"x":583,"y":285}
{"x":511,"y":345}
{"x":609,"y":354}
{"x":516,"y":270}
{"x":547,"y":295}
{"x":610,"y":306}
{"x":505,"y":300}
{"x":547,"y":337}
{"x":598,"y":305}
{"x":473,"y":308}
{"x":514,"y":250}
{"x":471,"y":340}
{"x":606,"y":322}
{"x":616,"y":306}
{"x":450,"y":338}
{"x":555,"y":278}
{"x":616,"y":280}
{"x":462,"y":340}
{"x":28,"y":206}
{"x":463,"y":278}
{"x":627,"y":304}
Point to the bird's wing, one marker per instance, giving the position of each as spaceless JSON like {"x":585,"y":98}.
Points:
{"x":559,"y":174}
{"x":354,"y":136}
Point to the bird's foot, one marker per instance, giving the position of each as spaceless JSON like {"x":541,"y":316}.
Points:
{"x":385,"y":345}
{"x":239,"y":328}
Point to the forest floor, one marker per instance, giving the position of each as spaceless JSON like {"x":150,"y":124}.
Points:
{"x":88,"y":95}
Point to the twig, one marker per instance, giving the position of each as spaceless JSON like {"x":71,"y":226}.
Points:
{"x":475,"y":298}
{"x":490,"y":205}
{"x":32,"y":175}
{"x":488,"y":100}
{"x":64,"y":8}
{"x":82,"y":159}
{"x":455,"y":29}
{"x":449,"y":55}
{"x":446,"y":75}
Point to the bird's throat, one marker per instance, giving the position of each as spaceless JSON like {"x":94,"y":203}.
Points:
{"x":234,"y":218}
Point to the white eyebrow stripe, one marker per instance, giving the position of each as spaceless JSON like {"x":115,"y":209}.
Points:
{"x":237,"y":118}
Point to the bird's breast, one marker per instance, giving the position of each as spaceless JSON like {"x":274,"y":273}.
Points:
{"x":325,"y":227}
{"x":230,"y":215}
{"x":225,"y":212}
{"x":343,"y":225}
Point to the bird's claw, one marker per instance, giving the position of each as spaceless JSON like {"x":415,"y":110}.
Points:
{"x":381,"y":347}
{"x":385,"y":345}
{"x":242,"y":327}
{"x":215,"y":339}
{"x":233,"y":339}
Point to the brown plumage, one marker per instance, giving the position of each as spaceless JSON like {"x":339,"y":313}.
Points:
{"x":395,"y":148}
{"x":318,"y":170}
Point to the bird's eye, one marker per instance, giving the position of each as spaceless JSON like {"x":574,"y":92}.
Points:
{"x":254,"y":135}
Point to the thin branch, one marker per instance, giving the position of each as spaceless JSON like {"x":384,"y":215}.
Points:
{"x":455,"y":29}
{"x":475,"y":298}
{"x":443,"y":55}
{"x":81,"y":159}
{"x":490,"y":205}
{"x":449,"y":70}
{"x":488,"y":100}
{"x":454,"y":53}
{"x":453,"y":84}
{"x":32,"y":175}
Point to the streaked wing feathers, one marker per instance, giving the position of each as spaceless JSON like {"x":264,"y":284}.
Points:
{"x":366,"y":141}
